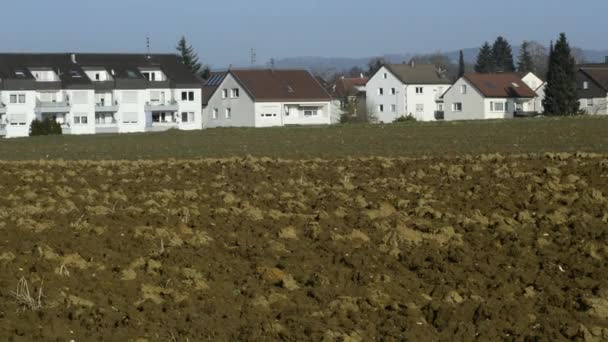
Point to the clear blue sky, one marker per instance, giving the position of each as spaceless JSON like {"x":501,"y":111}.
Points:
{"x":223,"y":32}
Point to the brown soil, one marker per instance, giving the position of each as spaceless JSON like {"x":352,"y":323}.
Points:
{"x":472,"y":248}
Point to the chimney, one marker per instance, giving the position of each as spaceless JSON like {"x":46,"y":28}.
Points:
{"x":73,"y":56}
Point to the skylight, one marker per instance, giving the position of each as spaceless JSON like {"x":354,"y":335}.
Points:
{"x":131,"y":74}
{"x":515,"y":85}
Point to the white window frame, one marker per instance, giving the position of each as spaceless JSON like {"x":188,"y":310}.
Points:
{"x":81,"y":119}
{"x":22,"y":98}
{"x":494,"y":109}
{"x":585,"y":85}
{"x":420,"y":107}
{"x":311,"y":112}
{"x":393,"y":108}
{"x":380,"y":91}
{"x":455,"y":106}
{"x":224,"y":93}
{"x":235,"y":93}
{"x":419,"y":90}
{"x":385,"y":76}
{"x":463,"y":89}
{"x":124,"y":119}
{"x":21,"y":122}
{"x":381,"y":108}
{"x":13,"y":98}
{"x":215,"y":113}
{"x":590,"y":102}
{"x":228,"y":113}
{"x":393,"y":91}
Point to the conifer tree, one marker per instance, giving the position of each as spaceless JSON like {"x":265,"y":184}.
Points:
{"x":503,"y":56}
{"x":525,"y":63}
{"x":461,"y":65}
{"x":485,"y":60}
{"x":561,"y":94}
{"x":188,"y":56}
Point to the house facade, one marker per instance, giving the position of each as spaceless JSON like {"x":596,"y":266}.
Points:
{"x":97,"y":93}
{"x":592,"y":88}
{"x":350,"y":95}
{"x":265,"y":98}
{"x":398,"y":90}
{"x":488,"y":96}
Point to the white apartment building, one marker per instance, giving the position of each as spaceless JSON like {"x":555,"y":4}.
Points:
{"x":397,"y":90}
{"x":98,"y":93}
{"x":265,"y":98}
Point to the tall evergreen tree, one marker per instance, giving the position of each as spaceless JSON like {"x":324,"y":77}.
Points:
{"x":503,"y":55}
{"x":525,"y":63}
{"x":485,"y":60}
{"x":461,"y":66}
{"x":561,"y":94}
{"x":188,"y":56}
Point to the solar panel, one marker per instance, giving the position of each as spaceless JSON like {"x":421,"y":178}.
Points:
{"x":215,"y":80}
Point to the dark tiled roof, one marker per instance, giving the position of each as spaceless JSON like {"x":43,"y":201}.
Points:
{"x":501,"y":85}
{"x":417,"y":74}
{"x":267,"y":85}
{"x":123,"y":66}
{"x":598,"y":74}
{"x":348,"y":86}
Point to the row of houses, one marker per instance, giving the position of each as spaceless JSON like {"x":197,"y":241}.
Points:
{"x":424,"y":93}
{"x":119,"y":93}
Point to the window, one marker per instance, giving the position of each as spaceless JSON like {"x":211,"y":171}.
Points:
{"x":393,"y":108}
{"x":146,"y":75}
{"x":235,"y":93}
{"x":187,"y":117}
{"x":215,"y":113}
{"x":20,"y":74}
{"x":393,"y":91}
{"x":155,"y":96}
{"x":589,"y":102}
{"x":131,"y":74}
{"x":228,"y":113}
{"x":380,"y":91}
{"x":440,"y":107}
{"x":497,"y":107}
{"x":13,"y":98}
{"x":97,"y":76}
{"x":21,"y":98}
{"x":17,"y":119}
{"x":310,"y":112}
{"x":187,"y":96}
{"x":420,"y":107}
{"x":75,"y":74}
{"x":224,"y":93}
{"x":80,"y":119}
{"x":457,"y":107}
{"x":129,"y":117}
{"x":153,"y":76}
{"x":381,"y":108}
{"x":385,"y":75}
{"x":419,"y":90}
{"x":585,"y":85}
{"x":463,"y":89}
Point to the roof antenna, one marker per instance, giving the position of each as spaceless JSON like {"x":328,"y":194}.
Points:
{"x":254,"y":57}
{"x":148,"y":47}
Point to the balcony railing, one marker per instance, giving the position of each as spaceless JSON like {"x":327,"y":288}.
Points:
{"x":106,"y":107}
{"x":167,"y":106}
{"x":53,"y":107}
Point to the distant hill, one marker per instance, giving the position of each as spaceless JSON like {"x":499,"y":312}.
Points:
{"x":341,"y":64}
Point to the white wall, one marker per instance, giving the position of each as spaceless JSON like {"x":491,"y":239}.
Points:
{"x":387,"y":99}
{"x":472,"y":102}
{"x":598,"y":106}
{"x":269,"y":114}
{"x":26,"y":109}
{"x":536,"y":84}
{"x":136,"y":107}
{"x":82,"y":103}
{"x":428,"y":100}
{"x":188,"y":106}
{"x":242,"y":108}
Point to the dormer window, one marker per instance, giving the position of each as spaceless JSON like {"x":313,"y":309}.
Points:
{"x":585,"y":85}
{"x":20,"y":73}
{"x":131,"y":74}
{"x":75,"y":74}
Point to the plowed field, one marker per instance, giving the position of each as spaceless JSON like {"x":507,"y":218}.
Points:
{"x":472,"y":248}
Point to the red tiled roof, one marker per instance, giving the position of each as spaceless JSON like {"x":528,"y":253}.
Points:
{"x":500,"y":85}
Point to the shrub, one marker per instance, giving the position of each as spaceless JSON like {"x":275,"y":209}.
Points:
{"x":47,"y":126}
{"x":407,"y":118}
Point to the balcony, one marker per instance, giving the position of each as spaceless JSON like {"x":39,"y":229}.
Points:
{"x":43,"y":107}
{"x":439,"y":115}
{"x":167,"y":106}
{"x":106,"y":107}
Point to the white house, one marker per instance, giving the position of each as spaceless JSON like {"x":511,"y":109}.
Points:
{"x":264,"y":98}
{"x":98,"y":93}
{"x":490,"y":96}
{"x":592,"y":84}
{"x":397,"y":90}
{"x":538,"y":85}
